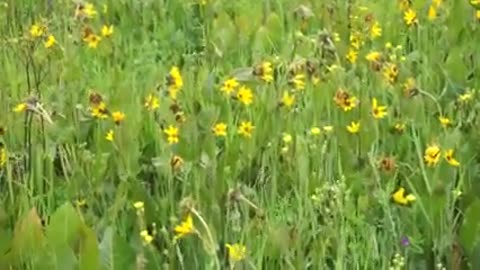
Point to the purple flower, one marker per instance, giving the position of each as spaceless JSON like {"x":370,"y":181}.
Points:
{"x":405,"y":241}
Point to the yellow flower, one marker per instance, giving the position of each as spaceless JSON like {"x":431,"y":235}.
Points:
{"x":89,"y":10}
{"x":176,"y":162}
{"x":236,"y":252}
{"x":378,"y":111}
{"x":445,"y":121}
{"x":410,"y":17}
{"x":229,"y":86}
{"x":354,"y":127}
{"x":356,"y":40}
{"x":315,"y":131}
{"x":107,"y":30}
{"x":264,"y":71}
{"x":146,"y":237}
{"x":220,"y":130}
{"x":352,"y":56}
{"x":466,"y":97}
{"x":399,"y":127}
{"x":151,"y":102}
{"x":390,"y":73}
{"x":287,"y":99}
{"x":185,"y":228}
{"x":92,"y":40}
{"x":21,"y":107}
{"x":3,"y":156}
{"x":438,"y":3}
{"x":50,"y":42}
{"x":287,"y":138}
{"x":37,"y":30}
{"x":172,"y":134}
{"x":246,"y":128}
{"x":344,"y":100}
{"x":328,"y":129}
{"x":139,"y":205}
{"x":174,"y":82}
{"x":432,"y":13}
{"x":110,"y":135}
{"x":373,"y":56}
{"x":400,"y":197}
{"x":477,"y":14}
{"x":99,"y":111}
{"x":298,"y":81}
{"x":118,"y":117}
{"x":432,"y":155}
{"x":375,"y":30}
{"x":451,"y":159}
{"x":245,"y":95}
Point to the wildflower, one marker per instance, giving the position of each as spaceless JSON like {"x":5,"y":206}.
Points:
{"x":50,"y":42}
{"x":432,"y":155}
{"x":21,"y":107}
{"x":387,"y":164}
{"x":99,"y":110}
{"x":220,"y":130}
{"x":264,"y":71}
{"x":315,"y":131}
{"x":298,"y":81}
{"x":110,"y":135}
{"x":477,"y":14}
{"x":107,"y":30}
{"x":92,"y":40}
{"x":139,"y":205}
{"x":352,"y":56}
{"x":375,"y":30}
{"x":451,"y":159}
{"x":378,"y":111}
{"x":405,"y":241}
{"x":80,"y":202}
{"x":185,"y":228}
{"x":432,"y":12}
{"x":118,"y":117}
{"x":176,"y":162}
{"x":245,"y":95}
{"x":399,"y":127}
{"x":410,"y":87}
{"x":89,"y":10}
{"x":466,"y":97}
{"x":354,"y":127}
{"x":398,"y":262}
{"x":174,"y":82}
{"x":146,"y":237}
{"x":287,"y":138}
{"x":402,"y":198}
{"x":287,"y":99}
{"x":236,"y":252}
{"x":151,"y":102}
{"x":445,"y":121}
{"x":172,"y":134}
{"x":344,"y":100}
{"x":3,"y":155}
{"x":37,"y":30}
{"x":410,"y":17}
{"x":390,"y":73}
{"x":328,"y":128}
{"x":246,"y":128}
{"x":355,"y":40}
{"x":373,"y":56}
{"x":229,"y":86}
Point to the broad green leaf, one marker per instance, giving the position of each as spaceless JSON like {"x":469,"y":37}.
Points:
{"x":64,"y":227}
{"x":28,"y":238}
{"x":89,"y":257}
{"x":470,"y":229}
{"x":115,"y":253}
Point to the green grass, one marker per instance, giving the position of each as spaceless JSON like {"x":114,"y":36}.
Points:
{"x":294,"y":198}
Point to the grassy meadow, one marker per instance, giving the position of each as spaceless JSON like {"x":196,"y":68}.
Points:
{"x":216,"y":134}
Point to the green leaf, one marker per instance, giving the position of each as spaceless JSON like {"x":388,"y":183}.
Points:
{"x":64,"y":228}
{"x":115,"y":253}
{"x":28,"y":238}
{"x":469,"y":231}
{"x":89,"y":252}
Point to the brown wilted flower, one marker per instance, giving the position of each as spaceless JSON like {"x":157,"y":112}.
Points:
{"x":387,"y":164}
